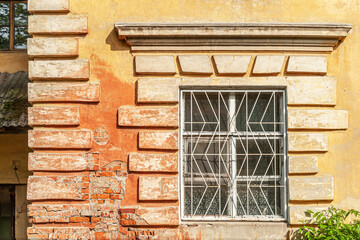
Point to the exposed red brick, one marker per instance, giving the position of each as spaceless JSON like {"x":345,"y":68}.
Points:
{"x":127,"y":210}
{"x":127,"y":222}
{"x":50,"y":116}
{"x":123,"y":230}
{"x":108,"y":174}
{"x":167,"y":140}
{"x":95,"y":219}
{"x":74,"y":139}
{"x":79,"y":219}
{"x":100,"y":196}
{"x":86,"y":179}
{"x":148,"y":116}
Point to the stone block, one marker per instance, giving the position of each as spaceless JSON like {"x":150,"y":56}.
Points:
{"x":62,"y":139}
{"x":53,"y":47}
{"x":317,"y":119}
{"x":308,"y":142}
{"x":299,"y":216}
{"x":307,"y":64}
{"x":301,"y":90}
{"x":158,"y":188}
{"x":48,"y":6}
{"x":167,"y":140}
{"x":151,"y":233}
{"x":135,"y":116}
{"x":63,"y":70}
{"x":45,"y":188}
{"x":51,"y":116}
{"x":311,"y":91}
{"x":58,"y":24}
{"x":303,"y":164}
{"x":151,"y":216}
{"x":195,"y":64}
{"x":67,"y":162}
{"x":311,"y":188}
{"x":36,"y":232}
{"x":231,"y":65}
{"x":159,"y":215}
{"x":205,"y":81}
{"x":63,"y":92}
{"x":155,"y":64}
{"x":151,"y":162}
{"x":158,"y":90}
{"x":268,"y":64}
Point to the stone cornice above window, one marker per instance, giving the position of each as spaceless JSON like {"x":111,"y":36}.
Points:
{"x":305,"y":37}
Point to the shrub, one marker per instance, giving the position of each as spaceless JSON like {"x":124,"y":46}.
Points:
{"x":332,"y":223}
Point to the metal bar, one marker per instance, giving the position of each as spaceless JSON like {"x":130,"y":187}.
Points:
{"x":222,"y":133}
{"x":231,"y":91}
{"x":247,"y":151}
{"x":191,"y":146}
{"x":232,"y":123}
{"x":275,"y":155}
{"x":219,"y":151}
{"x":12,"y":28}
{"x":181,"y":152}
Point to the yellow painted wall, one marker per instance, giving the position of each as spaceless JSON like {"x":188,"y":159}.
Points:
{"x":105,"y":51}
{"x":13,"y":61}
{"x":13,"y":147}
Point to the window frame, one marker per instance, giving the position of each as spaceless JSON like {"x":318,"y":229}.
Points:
{"x":284,"y":138}
{"x":12,"y":26}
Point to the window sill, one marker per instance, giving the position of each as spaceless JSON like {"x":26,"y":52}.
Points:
{"x":235,"y":230}
{"x":233,"y":220}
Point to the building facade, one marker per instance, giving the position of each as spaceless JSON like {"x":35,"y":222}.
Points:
{"x":188,"y":119}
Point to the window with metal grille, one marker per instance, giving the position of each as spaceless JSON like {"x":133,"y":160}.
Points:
{"x":13,"y":24}
{"x":233,"y":151}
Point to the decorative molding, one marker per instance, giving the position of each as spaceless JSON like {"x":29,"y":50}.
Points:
{"x":306,"y":37}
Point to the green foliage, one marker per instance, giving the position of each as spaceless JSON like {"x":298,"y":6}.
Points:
{"x":332,"y":224}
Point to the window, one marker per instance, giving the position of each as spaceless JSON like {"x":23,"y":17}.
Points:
{"x":233,"y":154}
{"x":13,"y":25}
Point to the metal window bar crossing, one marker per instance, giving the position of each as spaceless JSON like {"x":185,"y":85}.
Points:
{"x":233,"y":151}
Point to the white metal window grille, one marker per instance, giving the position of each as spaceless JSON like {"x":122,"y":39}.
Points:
{"x":233,"y":154}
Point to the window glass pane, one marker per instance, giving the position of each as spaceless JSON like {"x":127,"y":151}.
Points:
{"x":205,"y":157}
{"x":206,"y":201}
{"x":21,"y":35}
{"x":4,"y":14}
{"x":260,"y":198}
{"x":4,"y":37}
{"x":206,"y":111}
{"x":261,"y":109}
{"x":21,"y":14}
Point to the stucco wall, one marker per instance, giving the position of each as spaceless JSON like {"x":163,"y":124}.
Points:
{"x":110,"y":57}
{"x":112,"y":65}
{"x":13,"y":61}
{"x":13,"y":146}
{"x":14,"y":151}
